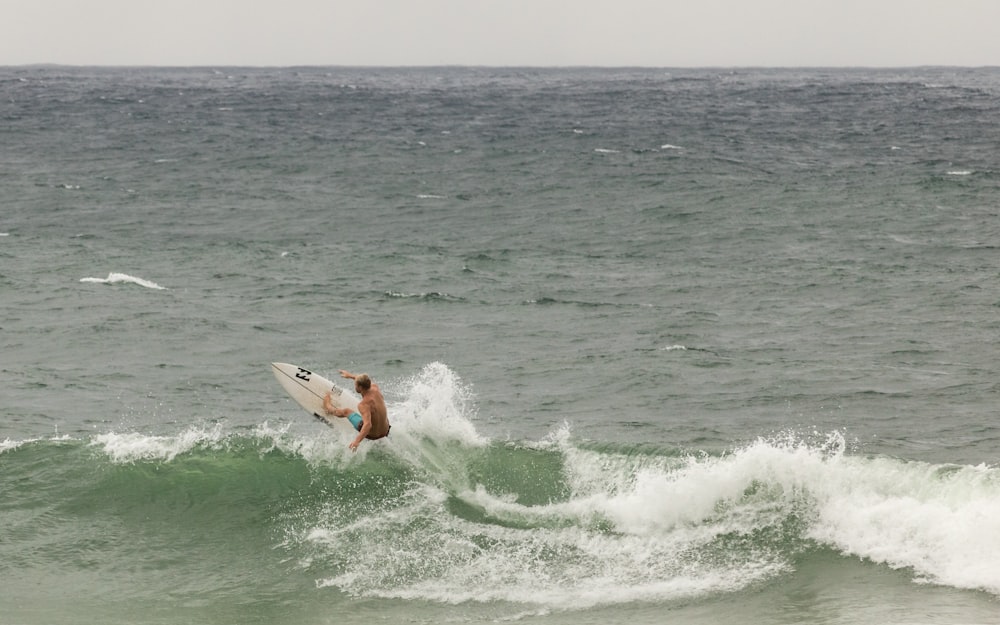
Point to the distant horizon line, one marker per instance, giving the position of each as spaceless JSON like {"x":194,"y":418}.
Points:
{"x":483,"y":66}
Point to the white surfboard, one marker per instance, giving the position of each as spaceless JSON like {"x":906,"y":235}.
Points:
{"x":308,"y":389}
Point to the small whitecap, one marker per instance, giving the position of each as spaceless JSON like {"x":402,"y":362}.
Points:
{"x":116,"y":278}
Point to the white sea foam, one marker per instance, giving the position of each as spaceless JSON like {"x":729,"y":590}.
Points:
{"x":943,"y":523}
{"x":960,"y":172}
{"x":326,"y":447}
{"x":664,"y":518}
{"x":9,"y":445}
{"x":553,"y":555}
{"x":116,"y":278}
{"x":605,"y":151}
{"x":134,"y":446}
{"x":436,"y":295}
{"x":668,"y":146}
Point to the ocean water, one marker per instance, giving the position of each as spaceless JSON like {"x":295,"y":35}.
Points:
{"x":659,"y":345}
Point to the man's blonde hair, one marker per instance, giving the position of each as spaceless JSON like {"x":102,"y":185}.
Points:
{"x":363,"y":381}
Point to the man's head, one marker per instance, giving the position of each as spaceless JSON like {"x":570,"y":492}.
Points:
{"x":362,"y":383}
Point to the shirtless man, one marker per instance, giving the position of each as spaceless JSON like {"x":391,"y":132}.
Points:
{"x":371,"y":419}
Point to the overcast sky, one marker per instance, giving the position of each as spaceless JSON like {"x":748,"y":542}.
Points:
{"x":667,"y":33}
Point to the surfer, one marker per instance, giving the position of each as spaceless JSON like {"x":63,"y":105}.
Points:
{"x":371,"y":419}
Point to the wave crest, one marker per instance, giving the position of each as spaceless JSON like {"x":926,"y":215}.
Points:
{"x":438,"y":512}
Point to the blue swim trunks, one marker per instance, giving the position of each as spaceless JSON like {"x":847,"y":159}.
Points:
{"x":356,"y":420}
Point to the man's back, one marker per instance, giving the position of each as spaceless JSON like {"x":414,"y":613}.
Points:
{"x":377,"y":411}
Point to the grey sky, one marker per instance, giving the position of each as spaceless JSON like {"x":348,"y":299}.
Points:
{"x":675,"y":33}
